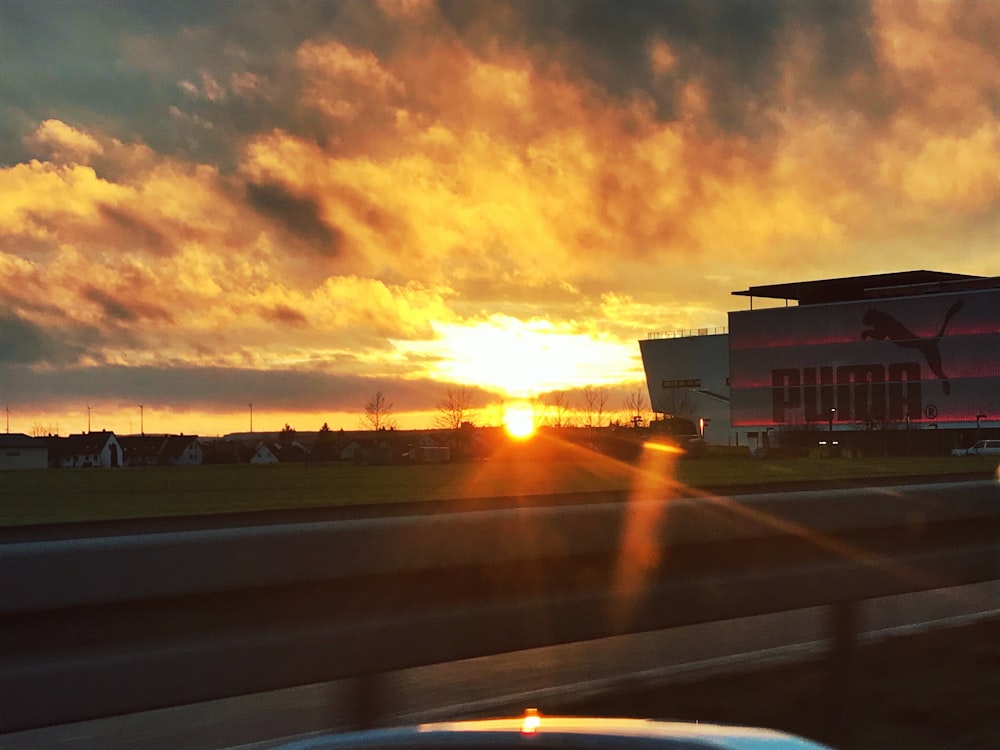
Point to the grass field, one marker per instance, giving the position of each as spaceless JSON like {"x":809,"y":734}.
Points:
{"x":56,"y":495}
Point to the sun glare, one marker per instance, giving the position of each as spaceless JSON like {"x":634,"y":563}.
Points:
{"x":519,"y":420}
{"x":523,"y":358}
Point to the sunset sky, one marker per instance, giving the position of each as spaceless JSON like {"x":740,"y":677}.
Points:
{"x":296,"y":204}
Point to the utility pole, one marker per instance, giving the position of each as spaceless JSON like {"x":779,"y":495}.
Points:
{"x":88,"y":419}
{"x":7,"y":409}
{"x":142,"y":429}
{"x":251,"y":418}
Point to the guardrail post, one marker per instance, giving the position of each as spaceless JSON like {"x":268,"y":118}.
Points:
{"x":843,"y":675}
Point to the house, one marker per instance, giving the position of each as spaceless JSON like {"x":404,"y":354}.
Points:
{"x":161,"y":450}
{"x":290,"y":453}
{"x":18,"y":451}
{"x":263,"y":455}
{"x":426,"y":450}
{"x":355,"y":452}
{"x":91,"y":449}
{"x":182,"y":450}
{"x":140,"y":450}
{"x":325,"y":449}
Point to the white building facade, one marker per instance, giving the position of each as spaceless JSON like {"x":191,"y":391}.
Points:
{"x":18,"y":451}
{"x":687,"y":374}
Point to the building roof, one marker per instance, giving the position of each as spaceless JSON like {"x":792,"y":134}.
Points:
{"x":175,"y":445}
{"x":137,"y":448}
{"x":84,"y":444}
{"x":897,"y":284}
{"x":20,"y":440}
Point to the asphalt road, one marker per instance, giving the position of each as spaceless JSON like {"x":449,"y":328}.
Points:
{"x":509,"y":682}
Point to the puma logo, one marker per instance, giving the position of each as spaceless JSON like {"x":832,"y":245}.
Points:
{"x":887,"y":328}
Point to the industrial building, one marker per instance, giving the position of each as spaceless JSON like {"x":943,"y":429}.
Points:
{"x":896,"y":362}
{"x":19,"y":451}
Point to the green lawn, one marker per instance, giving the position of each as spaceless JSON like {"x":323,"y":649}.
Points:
{"x":54,"y":495}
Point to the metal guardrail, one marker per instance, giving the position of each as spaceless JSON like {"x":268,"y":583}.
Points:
{"x":101,"y":626}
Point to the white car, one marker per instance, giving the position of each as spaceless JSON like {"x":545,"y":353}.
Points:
{"x":533,"y":731}
{"x":984,"y":448}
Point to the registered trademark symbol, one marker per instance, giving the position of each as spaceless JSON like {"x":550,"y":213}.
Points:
{"x":931,"y":412}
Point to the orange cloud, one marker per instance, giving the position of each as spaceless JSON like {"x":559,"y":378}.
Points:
{"x":340,"y":81}
{"x":56,"y":141}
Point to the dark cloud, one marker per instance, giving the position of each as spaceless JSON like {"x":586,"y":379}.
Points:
{"x":125,"y":311}
{"x":286,"y":315}
{"x":735,"y":46}
{"x":22,"y":342}
{"x":299,"y":215}
{"x":120,"y":69}
{"x":141,"y":234}
{"x":66,"y":59}
{"x":215,"y":389}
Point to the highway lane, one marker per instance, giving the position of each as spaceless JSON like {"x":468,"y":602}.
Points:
{"x":508,"y":682}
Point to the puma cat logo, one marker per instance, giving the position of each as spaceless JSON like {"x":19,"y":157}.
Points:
{"x":885,"y":327}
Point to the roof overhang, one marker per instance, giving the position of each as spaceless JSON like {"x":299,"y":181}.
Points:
{"x":850,"y":288}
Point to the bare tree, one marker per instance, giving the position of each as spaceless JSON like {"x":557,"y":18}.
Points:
{"x":455,"y":408}
{"x":677,"y":402}
{"x":378,"y":413}
{"x":595,"y":400}
{"x":635,"y":405}
{"x":559,"y":403}
{"x":40,"y":430}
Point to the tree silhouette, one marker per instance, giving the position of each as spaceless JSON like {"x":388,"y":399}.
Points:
{"x":677,"y":402}
{"x":378,"y":413}
{"x":560,"y":406}
{"x":455,"y":408}
{"x":635,"y":405}
{"x":594,"y":401}
{"x":287,"y":435}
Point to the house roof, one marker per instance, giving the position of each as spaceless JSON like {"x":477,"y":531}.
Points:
{"x":85,"y":444}
{"x":20,"y":440}
{"x":901,"y":283}
{"x":140,"y":446}
{"x":154,"y":447}
{"x":175,"y":445}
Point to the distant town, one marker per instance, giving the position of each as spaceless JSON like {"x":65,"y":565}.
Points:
{"x":105,"y":449}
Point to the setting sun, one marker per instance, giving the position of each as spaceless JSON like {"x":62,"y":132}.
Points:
{"x":519,"y":420}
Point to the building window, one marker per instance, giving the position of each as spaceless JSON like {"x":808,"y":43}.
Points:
{"x":13,"y":454}
{"x":688,"y":383}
